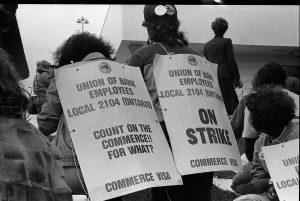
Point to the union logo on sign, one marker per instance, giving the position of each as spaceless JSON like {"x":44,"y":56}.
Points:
{"x":104,"y":67}
{"x":192,"y":60}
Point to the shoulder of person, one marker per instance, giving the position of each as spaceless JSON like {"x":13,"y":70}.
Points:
{"x":194,"y":51}
{"x":211,"y":40}
{"x":36,"y":132}
{"x":290,"y":93}
{"x":261,"y":141}
{"x":154,"y":47}
{"x":293,"y":131}
{"x":228,"y":40}
{"x":143,"y":51}
{"x":148,"y":52}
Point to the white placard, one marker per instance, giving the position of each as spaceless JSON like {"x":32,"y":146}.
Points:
{"x":283,"y":164}
{"x":120,"y":145}
{"x":200,"y":132}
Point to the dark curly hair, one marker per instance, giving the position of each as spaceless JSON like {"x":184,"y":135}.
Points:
{"x":167,"y":33}
{"x":271,"y":109}
{"x":270,"y":73}
{"x":77,"y":46}
{"x":11,"y":93}
{"x":219,"y":26}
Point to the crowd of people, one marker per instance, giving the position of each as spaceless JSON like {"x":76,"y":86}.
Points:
{"x":33,"y":168}
{"x":268,"y":115}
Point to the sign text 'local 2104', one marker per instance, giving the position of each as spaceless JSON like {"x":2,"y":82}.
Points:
{"x":119,"y":143}
{"x":199,"y":129}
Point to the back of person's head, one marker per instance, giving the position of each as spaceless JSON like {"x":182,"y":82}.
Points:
{"x":162,"y":24}
{"x":270,"y":73}
{"x":271,"y":109}
{"x":43,"y":66}
{"x":43,"y":63}
{"x":11,"y":93}
{"x":77,"y":46}
{"x":219,"y":26}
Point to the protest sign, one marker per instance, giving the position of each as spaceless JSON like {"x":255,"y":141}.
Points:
{"x":283,"y":164}
{"x":200,"y":132}
{"x":119,"y":143}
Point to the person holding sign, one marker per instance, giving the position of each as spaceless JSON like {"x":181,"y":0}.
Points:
{"x":220,"y":50}
{"x":271,"y":113}
{"x":270,"y":74}
{"x":78,"y":47}
{"x":28,"y":169}
{"x":164,"y":38}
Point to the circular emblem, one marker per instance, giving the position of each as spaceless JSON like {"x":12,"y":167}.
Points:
{"x":104,"y":67}
{"x":192,"y":60}
{"x":160,"y":10}
{"x":170,"y":9}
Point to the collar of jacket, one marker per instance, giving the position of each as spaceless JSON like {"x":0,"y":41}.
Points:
{"x":93,"y":55}
{"x":283,"y":137}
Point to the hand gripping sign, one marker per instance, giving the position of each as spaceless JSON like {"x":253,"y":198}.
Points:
{"x":283,"y":164}
{"x":118,"y":140}
{"x":193,"y":109}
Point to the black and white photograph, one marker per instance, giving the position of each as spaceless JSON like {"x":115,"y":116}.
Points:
{"x":141,"y":101}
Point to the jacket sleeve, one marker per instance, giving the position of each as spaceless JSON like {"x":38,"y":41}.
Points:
{"x":51,"y":111}
{"x":258,"y":186}
{"x":232,"y":61}
{"x":260,"y":178}
{"x":237,"y":119}
{"x":257,"y":171}
{"x":59,"y":186}
{"x":52,"y":167}
{"x":242,"y":182}
{"x":135,"y":60}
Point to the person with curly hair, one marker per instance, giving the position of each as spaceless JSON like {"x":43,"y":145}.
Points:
{"x":271,"y":113}
{"x":78,"y":47}
{"x":162,"y":26}
{"x":28,"y":167}
{"x":219,"y":50}
{"x":271,"y":74}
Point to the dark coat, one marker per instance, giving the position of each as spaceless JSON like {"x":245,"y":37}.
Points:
{"x":220,"y":50}
{"x":28,"y":169}
{"x":10,"y":39}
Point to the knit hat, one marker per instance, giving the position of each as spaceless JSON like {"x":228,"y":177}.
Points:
{"x":159,"y":14}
